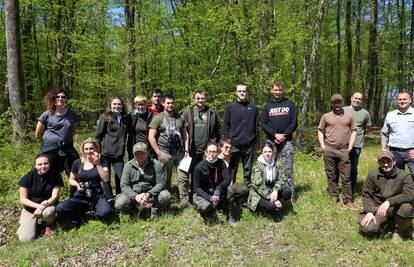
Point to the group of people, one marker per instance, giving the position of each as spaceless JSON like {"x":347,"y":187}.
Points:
{"x":157,"y":138}
{"x":388,"y":191}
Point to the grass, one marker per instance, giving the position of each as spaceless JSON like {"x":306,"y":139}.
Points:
{"x":317,"y":234}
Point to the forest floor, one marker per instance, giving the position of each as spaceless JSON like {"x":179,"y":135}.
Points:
{"x":314,"y":233}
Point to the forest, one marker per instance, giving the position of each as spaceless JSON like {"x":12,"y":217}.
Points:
{"x":98,"y":48}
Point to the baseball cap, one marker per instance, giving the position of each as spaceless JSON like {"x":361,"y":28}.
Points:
{"x":140,"y":146}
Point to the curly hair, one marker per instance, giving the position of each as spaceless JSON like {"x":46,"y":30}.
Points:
{"x":50,"y":99}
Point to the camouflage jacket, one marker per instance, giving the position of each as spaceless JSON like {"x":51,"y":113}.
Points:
{"x":258,"y":187}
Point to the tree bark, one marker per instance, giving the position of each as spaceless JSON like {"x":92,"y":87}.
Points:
{"x":349,"y":67}
{"x":130,"y":67}
{"x":401,"y":46}
{"x":310,"y":75}
{"x":412,"y":48}
{"x":358,"y":58}
{"x":338,"y":46}
{"x":372,"y":54}
{"x":14,"y":69}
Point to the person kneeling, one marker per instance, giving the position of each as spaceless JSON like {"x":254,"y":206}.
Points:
{"x":39,"y":192}
{"x":212,"y":189}
{"x":269,"y":185}
{"x":387,"y":196}
{"x":86,"y":175}
{"x":143,"y":183}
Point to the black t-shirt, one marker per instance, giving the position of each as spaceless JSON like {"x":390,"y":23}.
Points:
{"x":40,"y":187}
{"x":92,"y":176}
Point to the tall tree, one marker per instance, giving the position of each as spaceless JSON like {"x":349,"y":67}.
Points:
{"x":14,"y":69}
{"x":348,"y":59}
{"x":338,"y":45}
{"x":401,"y":44}
{"x":130,"y":67}
{"x":372,"y":54}
{"x":306,"y":90}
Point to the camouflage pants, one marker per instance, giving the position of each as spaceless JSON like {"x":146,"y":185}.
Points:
{"x":285,"y":152}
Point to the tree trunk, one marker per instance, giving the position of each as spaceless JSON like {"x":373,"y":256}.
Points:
{"x":412,"y":48}
{"x":130,"y":67}
{"x":14,"y":69}
{"x":338,"y":46}
{"x":401,"y":46}
{"x":358,"y":58}
{"x":59,"y":46}
{"x":309,"y":77}
{"x":349,"y":68}
{"x":372,"y":54}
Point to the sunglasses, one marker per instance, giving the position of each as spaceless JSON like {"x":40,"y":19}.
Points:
{"x":61,"y":97}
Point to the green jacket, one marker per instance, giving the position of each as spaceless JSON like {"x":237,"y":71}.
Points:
{"x":150,"y":178}
{"x":258,"y":187}
{"x":112,"y":136}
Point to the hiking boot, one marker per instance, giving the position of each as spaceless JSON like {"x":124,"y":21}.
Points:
{"x":396,"y":238}
{"x":48,"y":230}
{"x":154,"y":212}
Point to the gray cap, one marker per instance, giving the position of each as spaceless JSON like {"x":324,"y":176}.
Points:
{"x":140,"y":146}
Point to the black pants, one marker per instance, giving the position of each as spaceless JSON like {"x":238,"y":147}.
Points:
{"x":246,"y":155}
{"x":74,"y":208}
{"x":282,"y":195}
{"x":118,"y":164}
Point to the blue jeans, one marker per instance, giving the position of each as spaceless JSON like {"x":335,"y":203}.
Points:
{"x":354,"y":158}
{"x":402,"y":158}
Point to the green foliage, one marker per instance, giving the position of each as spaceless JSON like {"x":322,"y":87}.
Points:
{"x":6,"y":132}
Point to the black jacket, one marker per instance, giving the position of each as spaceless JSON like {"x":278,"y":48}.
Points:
{"x":210,"y":179}
{"x":241,"y":123}
{"x":147,"y":116}
{"x":279,"y":117}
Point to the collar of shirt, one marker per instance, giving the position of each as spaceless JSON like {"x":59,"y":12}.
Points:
{"x":408,"y":112}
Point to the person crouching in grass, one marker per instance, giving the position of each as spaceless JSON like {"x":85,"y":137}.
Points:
{"x":39,"y":193}
{"x":387,"y":197}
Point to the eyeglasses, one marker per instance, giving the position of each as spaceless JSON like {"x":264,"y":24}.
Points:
{"x":226,"y":147}
{"x":61,"y":97}
{"x":211,"y":151}
{"x":200,"y":115}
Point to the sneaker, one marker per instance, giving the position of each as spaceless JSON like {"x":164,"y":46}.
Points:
{"x":396,"y":238}
{"x":232,"y":220}
{"x":48,"y":230}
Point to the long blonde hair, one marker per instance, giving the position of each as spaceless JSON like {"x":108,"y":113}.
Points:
{"x":92,"y":141}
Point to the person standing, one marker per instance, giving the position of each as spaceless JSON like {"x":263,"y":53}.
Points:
{"x":363,"y":123}
{"x":398,"y":130}
{"x":202,"y":126}
{"x":111,"y":134}
{"x":279,"y":121}
{"x":140,"y":119}
{"x":241,"y":126}
{"x":168,"y":139}
{"x":387,"y":196}
{"x":156,"y":106}
{"x":56,"y":127}
{"x":336,"y":136}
